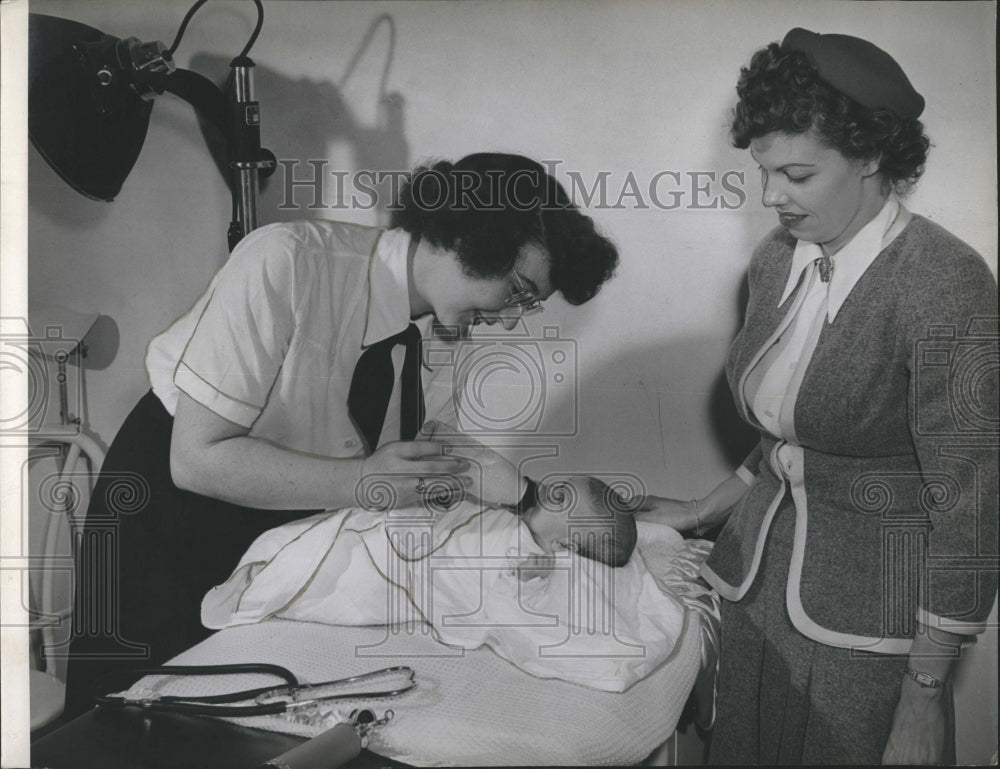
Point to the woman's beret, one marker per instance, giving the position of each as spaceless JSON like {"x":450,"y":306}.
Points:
{"x":858,"y":69}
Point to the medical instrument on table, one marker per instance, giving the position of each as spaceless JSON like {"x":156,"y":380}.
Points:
{"x":334,"y":747}
{"x":262,"y":701}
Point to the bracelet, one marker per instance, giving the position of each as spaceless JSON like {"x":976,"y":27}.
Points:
{"x":924,"y":679}
{"x":697,"y":518}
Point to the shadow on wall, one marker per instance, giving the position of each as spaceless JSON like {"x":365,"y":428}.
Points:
{"x":650,"y":414}
{"x":303,"y":119}
{"x":672,"y":405}
{"x":671,"y":384}
{"x":735,"y":437}
{"x":662,"y":413}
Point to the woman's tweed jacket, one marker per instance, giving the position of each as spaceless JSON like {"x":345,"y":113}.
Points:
{"x":895,"y":492}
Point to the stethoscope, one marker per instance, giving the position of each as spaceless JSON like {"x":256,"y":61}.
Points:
{"x":267,"y":700}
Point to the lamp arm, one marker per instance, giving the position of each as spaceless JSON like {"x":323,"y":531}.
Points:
{"x":237,"y":120}
{"x":197,"y":90}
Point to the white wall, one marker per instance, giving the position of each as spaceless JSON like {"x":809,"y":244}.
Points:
{"x":601,"y":87}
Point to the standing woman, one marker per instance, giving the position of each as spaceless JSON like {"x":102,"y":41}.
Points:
{"x":860,"y":537}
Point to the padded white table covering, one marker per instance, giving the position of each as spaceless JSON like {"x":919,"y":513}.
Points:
{"x":469,"y":708}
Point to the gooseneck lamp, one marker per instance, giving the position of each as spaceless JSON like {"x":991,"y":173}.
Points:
{"x":91,"y":95}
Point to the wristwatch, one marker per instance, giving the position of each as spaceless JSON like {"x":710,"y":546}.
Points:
{"x":924,"y":679}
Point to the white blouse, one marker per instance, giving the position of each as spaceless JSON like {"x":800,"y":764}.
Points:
{"x":772,"y":386}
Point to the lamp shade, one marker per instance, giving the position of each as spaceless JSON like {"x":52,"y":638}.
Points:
{"x":84,"y":118}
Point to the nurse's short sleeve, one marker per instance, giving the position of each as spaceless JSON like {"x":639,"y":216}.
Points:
{"x":243,"y":335}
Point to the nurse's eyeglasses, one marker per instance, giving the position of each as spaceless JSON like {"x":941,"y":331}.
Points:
{"x":522,"y":298}
{"x":520,"y":302}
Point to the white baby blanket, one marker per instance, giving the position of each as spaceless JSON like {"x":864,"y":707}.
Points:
{"x":581,"y":621}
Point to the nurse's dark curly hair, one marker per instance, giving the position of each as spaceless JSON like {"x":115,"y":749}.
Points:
{"x":486,"y":207}
{"x":781,"y":91}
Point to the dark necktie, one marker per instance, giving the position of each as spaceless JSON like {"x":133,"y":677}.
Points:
{"x":371,"y":387}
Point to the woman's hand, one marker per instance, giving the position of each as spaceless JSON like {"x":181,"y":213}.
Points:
{"x":695,"y":515}
{"x":918,"y":726}
{"x":409,"y":473}
{"x":678,"y":514}
{"x":920,"y":720}
{"x":491,"y":478}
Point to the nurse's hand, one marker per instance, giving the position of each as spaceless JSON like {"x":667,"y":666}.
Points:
{"x":491,"y":477}
{"x":410,"y":474}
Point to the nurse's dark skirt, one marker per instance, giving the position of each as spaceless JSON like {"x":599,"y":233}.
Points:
{"x":784,"y":699}
{"x":147,"y":555}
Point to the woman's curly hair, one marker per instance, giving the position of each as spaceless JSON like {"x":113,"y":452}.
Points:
{"x":486,"y":207}
{"x":781,"y":92}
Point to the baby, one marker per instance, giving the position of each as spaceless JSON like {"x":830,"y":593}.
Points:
{"x":578,"y":513}
{"x":477,"y":576}
{"x":581,"y":514}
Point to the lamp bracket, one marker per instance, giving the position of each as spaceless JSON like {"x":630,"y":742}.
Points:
{"x":148,"y":57}
{"x":113,"y":63}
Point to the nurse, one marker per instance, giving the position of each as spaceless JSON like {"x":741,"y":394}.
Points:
{"x":854,"y":559}
{"x":295,"y":384}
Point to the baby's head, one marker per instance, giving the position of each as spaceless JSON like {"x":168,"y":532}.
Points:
{"x":585,"y":515}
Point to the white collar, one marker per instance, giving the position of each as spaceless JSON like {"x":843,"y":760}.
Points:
{"x":388,"y":288}
{"x":851,"y":261}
